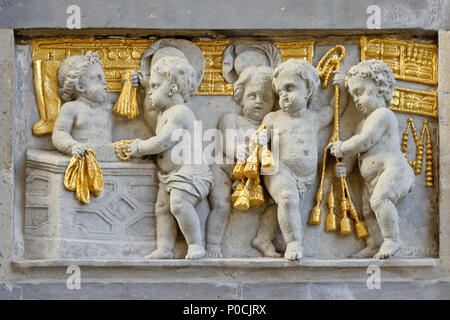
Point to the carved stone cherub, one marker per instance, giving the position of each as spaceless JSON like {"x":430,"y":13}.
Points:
{"x":253,"y":91}
{"x":387,"y":175}
{"x":298,"y":122}
{"x":85,"y":118}
{"x":183,"y":183}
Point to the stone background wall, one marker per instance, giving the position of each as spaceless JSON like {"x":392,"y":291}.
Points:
{"x":329,"y":22}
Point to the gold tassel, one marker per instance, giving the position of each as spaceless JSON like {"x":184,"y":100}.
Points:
{"x":238,"y":190}
{"x":345,"y":225}
{"x":243,"y":202}
{"x":316,"y":213}
{"x":251,"y":169}
{"x":360,"y":227}
{"x":126,"y":105}
{"x":256,"y":194}
{"x":331,"y":223}
{"x":238,"y":171}
{"x":267,"y":161}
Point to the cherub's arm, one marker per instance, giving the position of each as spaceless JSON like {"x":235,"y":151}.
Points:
{"x":61,"y":136}
{"x":227,"y":126}
{"x":163,"y":141}
{"x":372,"y":130}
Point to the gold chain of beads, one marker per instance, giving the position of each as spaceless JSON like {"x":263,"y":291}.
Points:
{"x":417,"y":164}
{"x":121,"y":144}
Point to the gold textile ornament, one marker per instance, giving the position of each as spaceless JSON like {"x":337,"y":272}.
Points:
{"x":84,"y":175}
{"x":126,"y":105}
{"x":327,"y":65}
{"x":417,"y":164}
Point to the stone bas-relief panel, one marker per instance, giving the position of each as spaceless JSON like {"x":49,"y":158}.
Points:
{"x":121,"y":224}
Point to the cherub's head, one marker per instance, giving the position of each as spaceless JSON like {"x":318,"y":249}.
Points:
{"x":172,"y":81}
{"x":253,"y":91}
{"x":296,"y":81}
{"x":371,"y":84}
{"x":82,"y":76}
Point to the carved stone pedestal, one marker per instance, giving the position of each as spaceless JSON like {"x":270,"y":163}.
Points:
{"x":118,"y":224}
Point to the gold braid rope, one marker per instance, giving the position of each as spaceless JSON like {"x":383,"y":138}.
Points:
{"x":329,"y":63}
{"x":121,"y":145}
{"x":417,"y":164}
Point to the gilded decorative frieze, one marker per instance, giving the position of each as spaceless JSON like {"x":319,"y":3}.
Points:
{"x":423,"y":103}
{"x":410,"y":61}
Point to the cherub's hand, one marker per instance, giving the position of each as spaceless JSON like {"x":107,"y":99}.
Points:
{"x":137,"y":78}
{"x":80,"y":150}
{"x":133,"y":148}
{"x":341,"y":169}
{"x":339,"y":78}
{"x":336,"y":149}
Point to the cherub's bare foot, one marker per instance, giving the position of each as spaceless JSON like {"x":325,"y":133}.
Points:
{"x":266,"y":248}
{"x":160,"y":253}
{"x":366,"y":252}
{"x":213,"y":251}
{"x":293,"y":251}
{"x":388,"y":248}
{"x":195,"y":251}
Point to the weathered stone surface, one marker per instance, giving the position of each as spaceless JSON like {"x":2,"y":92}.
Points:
{"x":205,"y":14}
{"x":343,"y":291}
{"x":7,"y":77}
{"x":444,"y":180}
{"x":444,"y":61}
{"x":428,"y":290}
{"x":153,"y":291}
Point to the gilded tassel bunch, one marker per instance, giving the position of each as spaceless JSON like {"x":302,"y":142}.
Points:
{"x":325,"y":69}
{"x":250,"y":193}
{"x":417,"y":164}
{"x":126,"y":105}
{"x":84,"y":175}
{"x":256,"y":194}
{"x":243,"y":201}
{"x":267,"y":161}
{"x":251,"y":169}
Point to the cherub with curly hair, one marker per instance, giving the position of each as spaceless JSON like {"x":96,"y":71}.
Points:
{"x":253,"y":92}
{"x":298,"y":123}
{"x":182,"y":182}
{"x":388,"y":176}
{"x":85,"y":117}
